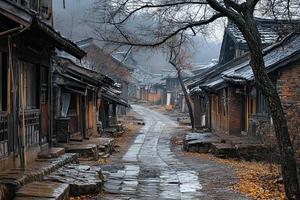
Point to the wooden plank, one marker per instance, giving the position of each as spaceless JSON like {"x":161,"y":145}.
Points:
{"x":10,"y":11}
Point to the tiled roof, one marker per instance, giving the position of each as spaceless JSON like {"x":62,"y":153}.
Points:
{"x":239,"y":70}
{"x":33,"y":19}
{"x":268,"y":34}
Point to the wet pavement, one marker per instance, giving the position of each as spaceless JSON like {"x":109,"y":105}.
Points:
{"x":151,"y":170}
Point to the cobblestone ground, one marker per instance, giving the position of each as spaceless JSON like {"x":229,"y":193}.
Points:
{"x":150,"y":170}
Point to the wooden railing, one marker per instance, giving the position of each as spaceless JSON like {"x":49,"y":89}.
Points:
{"x":4,"y":134}
{"x":31,"y":125}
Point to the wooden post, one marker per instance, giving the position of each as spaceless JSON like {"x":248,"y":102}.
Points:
{"x":9,"y":110}
{"x":50,"y":105}
{"x":58,"y":102}
{"x":84,"y":111}
{"x":23,"y":135}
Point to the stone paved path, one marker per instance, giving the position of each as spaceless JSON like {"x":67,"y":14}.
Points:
{"x":150,"y":170}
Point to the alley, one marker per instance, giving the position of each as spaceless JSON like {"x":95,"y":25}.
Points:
{"x":150,"y":170}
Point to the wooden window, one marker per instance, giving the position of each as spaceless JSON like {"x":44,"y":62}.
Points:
{"x":29,"y":83}
{"x":262,"y":106}
{"x":65,"y":104}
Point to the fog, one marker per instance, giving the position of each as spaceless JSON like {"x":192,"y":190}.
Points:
{"x":70,"y":22}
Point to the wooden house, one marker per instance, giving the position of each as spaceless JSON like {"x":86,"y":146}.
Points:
{"x":174,"y":96}
{"x":235,"y":106}
{"x":153,"y":90}
{"x":26,"y":44}
{"x":233,"y":52}
{"x":158,"y":93}
{"x":234,"y":45}
{"x":99,"y":60}
{"x":85,"y":100}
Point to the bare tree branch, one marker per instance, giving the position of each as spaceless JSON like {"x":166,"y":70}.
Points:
{"x":147,"y":6}
{"x":193,"y":24}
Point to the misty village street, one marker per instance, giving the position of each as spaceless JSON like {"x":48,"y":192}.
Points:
{"x":151,"y":170}
{"x":149,"y":99}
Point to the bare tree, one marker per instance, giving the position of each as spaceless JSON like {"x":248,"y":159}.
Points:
{"x":193,"y":15}
{"x":178,"y":59}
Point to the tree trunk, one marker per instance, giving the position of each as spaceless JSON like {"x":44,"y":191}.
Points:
{"x":187,"y":99}
{"x":263,"y":82}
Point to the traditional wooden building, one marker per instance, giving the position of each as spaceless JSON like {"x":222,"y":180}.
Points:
{"x":174,"y":96}
{"x":233,"y":53}
{"x":234,"y":45}
{"x":233,"y":104}
{"x":26,"y":44}
{"x":157,"y":93}
{"x":99,"y":60}
{"x":84,"y":100}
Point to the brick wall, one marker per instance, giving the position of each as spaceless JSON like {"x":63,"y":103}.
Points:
{"x":288,"y":85}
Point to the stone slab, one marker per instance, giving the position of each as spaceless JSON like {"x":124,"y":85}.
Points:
{"x":224,"y":150}
{"x":83,"y":179}
{"x":43,"y":190}
{"x":199,"y":142}
{"x":84,"y":150}
{"x":254,"y":151}
{"x":51,"y":153}
{"x":15,"y":178}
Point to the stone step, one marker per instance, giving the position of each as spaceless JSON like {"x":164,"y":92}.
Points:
{"x":43,"y":190}
{"x":199,"y":142}
{"x":224,"y":150}
{"x":84,"y":150}
{"x":51,"y":153}
{"x":83,"y":179}
{"x":14,"y":178}
{"x":256,"y":152}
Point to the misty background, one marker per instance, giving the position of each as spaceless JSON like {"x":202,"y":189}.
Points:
{"x":71,"y":23}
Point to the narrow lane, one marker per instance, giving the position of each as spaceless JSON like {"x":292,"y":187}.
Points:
{"x":151,"y":170}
